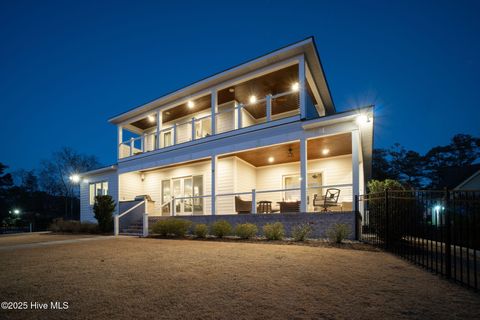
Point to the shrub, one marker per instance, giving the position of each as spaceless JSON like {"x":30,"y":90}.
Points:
{"x":201,"y":230}
{"x":246,"y":230}
{"x":172,"y":227}
{"x":274,"y":231}
{"x":103,"y":208}
{"x":301,"y":232}
{"x":221,"y":228}
{"x":338,"y":232}
{"x":73,"y":226}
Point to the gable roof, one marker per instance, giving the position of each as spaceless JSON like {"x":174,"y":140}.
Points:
{"x":452,"y":177}
{"x":306,"y":47}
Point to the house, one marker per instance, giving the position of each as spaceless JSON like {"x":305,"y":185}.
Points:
{"x":260,"y":139}
{"x":460,"y":177}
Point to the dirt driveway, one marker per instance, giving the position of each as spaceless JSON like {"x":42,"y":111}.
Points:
{"x":133,"y":278}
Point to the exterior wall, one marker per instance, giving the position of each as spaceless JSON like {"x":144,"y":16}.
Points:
{"x":130,"y":186}
{"x":86,"y":211}
{"x":320,"y":222}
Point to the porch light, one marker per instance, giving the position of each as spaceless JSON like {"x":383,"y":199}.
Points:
{"x":271,"y":159}
{"x":190,"y":104}
{"x":325,"y":151}
{"x":295,"y":86}
{"x":362,"y":119}
{"x":151,"y":118}
{"x":75,"y":178}
{"x":253,"y":99}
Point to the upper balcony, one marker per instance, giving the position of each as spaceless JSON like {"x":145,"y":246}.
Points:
{"x":253,"y":100}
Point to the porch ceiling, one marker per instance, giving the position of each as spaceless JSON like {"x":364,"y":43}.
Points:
{"x":337,"y":145}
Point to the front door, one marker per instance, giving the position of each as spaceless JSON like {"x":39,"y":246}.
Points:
{"x":182,"y":188}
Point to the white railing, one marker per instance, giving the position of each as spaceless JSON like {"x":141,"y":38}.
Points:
{"x":116,"y":218}
{"x":276,"y":198}
{"x":232,"y":118}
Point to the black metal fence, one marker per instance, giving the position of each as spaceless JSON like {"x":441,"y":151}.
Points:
{"x":439,"y":230}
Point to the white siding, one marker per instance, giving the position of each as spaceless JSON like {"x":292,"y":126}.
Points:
{"x":86,"y":211}
{"x":130,"y":186}
{"x":226,"y":119}
{"x":225,"y":184}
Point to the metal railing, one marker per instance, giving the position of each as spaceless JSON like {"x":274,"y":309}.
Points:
{"x":438,"y":230}
{"x":276,"y":107}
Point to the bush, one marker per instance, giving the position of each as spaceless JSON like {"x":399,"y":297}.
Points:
{"x":103,"y":208}
{"x":201,"y":230}
{"x":274,"y":231}
{"x":73,"y":226}
{"x":172,"y":227}
{"x":221,"y":228}
{"x":301,"y":232}
{"x":246,"y":230}
{"x":338,"y":232}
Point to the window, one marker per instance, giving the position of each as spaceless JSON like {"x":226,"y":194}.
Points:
{"x":98,"y":189}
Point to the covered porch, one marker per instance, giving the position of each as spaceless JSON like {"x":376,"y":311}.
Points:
{"x":282,"y":178}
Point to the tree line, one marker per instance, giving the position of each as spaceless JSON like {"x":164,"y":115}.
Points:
{"x":415,"y":170}
{"x":39,"y":196}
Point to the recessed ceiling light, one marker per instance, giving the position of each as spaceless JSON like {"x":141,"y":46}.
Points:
{"x":190,"y":104}
{"x":231,"y":90}
{"x":151,"y":118}
{"x":295,"y":86}
{"x":253,"y":99}
{"x":271,"y":159}
{"x":325,"y":151}
{"x":167,"y":113}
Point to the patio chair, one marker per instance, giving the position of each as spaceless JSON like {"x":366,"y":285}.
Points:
{"x":242,"y":206}
{"x":330,"y":199}
{"x":289,"y":206}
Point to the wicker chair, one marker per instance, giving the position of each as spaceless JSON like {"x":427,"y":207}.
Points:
{"x":242,"y":206}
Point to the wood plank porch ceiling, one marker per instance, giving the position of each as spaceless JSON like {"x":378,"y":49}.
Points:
{"x":337,"y":145}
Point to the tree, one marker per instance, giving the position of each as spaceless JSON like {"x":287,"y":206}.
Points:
{"x":381,"y":168}
{"x":103,"y":208}
{"x":5,"y":179}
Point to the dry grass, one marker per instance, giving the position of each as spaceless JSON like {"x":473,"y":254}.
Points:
{"x":129,"y":278}
{"x":10,"y":240}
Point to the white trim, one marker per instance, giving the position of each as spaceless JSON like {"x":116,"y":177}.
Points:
{"x":98,"y":171}
{"x":467,"y":180}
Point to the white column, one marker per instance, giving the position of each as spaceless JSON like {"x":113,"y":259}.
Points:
{"x":303,"y":174}
{"x":145,"y":219}
{"x":144,"y":142}
{"x":254,"y":201}
{"x":159,"y":128}
{"x":214,"y":110}
{"x":120,"y":140}
{"x":302,"y":87}
{"x":132,"y":144}
{"x":214,"y":184}
{"x":116,"y":226}
{"x":174,"y":134}
{"x":193,"y":129}
{"x":239,"y":116}
{"x":355,"y":164}
{"x":269,"y":107}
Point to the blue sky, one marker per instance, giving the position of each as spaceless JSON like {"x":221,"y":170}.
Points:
{"x":68,"y":66}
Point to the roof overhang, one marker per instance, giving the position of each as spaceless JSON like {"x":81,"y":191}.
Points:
{"x":306,"y":47}
{"x":99,"y":171}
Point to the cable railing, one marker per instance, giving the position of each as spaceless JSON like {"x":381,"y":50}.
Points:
{"x":227,"y":118}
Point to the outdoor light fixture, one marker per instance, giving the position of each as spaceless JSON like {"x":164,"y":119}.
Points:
{"x":231,"y":90}
{"x":295,"y":86}
{"x":151,"y":118}
{"x":253,"y":99}
{"x":190,"y":104}
{"x":362,"y":119}
{"x":325,"y":151}
{"x":75,"y":178}
{"x":271,"y":159}
{"x":290,"y":152}
{"x":16,"y":211}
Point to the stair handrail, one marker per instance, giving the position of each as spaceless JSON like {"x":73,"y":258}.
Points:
{"x":132,"y":208}
{"x":116,"y":218}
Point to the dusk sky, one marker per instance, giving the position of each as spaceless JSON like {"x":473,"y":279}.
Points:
{"x":66,"y":67}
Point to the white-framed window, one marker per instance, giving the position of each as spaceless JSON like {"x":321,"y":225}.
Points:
{"x":98,"y":189}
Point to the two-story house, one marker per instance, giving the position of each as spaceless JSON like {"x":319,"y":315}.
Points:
{"x":261,"y":138}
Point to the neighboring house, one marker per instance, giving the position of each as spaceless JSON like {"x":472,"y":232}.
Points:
{"x":265,"y":130}
{"x":460,"y":178}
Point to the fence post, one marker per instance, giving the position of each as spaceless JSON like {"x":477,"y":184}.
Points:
{"x":357,"y":213}
{"x":145,"y":223}
{"x":448,"y":236}
{"x":387,"y":224}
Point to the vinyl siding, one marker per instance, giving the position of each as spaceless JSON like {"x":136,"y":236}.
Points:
{"x":130,"y":186}
{"x":86,"y":211}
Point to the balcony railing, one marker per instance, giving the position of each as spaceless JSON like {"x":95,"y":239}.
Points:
{"x":227,"y":118}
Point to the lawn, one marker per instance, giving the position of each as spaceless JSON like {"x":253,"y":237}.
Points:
{"x":126,"y":278}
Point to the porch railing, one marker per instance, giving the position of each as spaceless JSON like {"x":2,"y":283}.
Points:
{"x":225,"y":202}
{"x":274,"y":107}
